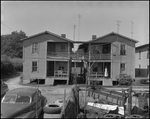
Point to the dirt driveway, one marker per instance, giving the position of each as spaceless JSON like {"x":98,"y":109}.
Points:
{"x":52,"y":93}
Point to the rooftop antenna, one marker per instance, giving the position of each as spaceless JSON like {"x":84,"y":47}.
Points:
{"x":132,"y":30}
{"x":79,"y":16}
{"x":74,"y":27}
{"x":118,"y":25}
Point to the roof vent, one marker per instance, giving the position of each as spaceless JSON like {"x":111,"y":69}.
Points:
{"x":63,"y":35}
{"x":93,"y":37}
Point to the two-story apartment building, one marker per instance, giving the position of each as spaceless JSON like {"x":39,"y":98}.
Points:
{"x":46,"y":56}
{"x":142,"y":61}
{"x":112,"y":53}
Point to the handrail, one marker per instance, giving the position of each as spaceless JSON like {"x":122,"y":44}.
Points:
{"x":96,"y":74}
{"x":60,"y":73}
{"x":100,"y":56}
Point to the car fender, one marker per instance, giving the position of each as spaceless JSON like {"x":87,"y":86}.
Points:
{"x":30,"y":114}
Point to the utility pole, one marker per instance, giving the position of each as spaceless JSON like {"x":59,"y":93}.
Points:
{"x":74,"y":27}
{"x":131,"y":41}
{"x":118,"y":25}
{"x":79,"y":16}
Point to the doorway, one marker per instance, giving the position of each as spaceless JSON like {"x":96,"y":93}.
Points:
{"x":50,"y":68}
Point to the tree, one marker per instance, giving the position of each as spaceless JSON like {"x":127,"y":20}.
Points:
{"x":11,"y":44}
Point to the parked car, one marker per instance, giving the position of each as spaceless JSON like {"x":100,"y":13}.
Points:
{"x":23,"y":103}
{"x":4,"y":88}
{"x":144,"y":81}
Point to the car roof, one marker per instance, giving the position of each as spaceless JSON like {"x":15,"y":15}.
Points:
{"x":22,"y":91}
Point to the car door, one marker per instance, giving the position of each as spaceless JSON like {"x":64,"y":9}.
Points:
{"x":4,"y":88}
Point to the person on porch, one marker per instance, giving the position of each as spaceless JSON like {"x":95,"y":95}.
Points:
{"x":106,"y":73}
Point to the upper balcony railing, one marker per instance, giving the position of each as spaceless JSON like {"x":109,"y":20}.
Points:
{"x":98,"y":56}
{"x":57,"y":54}
{"x":75,"y":56}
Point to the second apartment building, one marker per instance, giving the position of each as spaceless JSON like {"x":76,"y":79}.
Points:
{"x":112,"y":52}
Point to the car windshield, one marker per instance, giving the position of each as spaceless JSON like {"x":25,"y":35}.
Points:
{"x":16,"y":99}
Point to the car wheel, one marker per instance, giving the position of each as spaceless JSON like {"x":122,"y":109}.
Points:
{"x":136,"y":116}
{"x":110,"y":116}
{"x":52,"y":109}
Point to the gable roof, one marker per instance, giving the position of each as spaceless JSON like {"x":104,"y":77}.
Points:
{"x":112,"y":33}
{"x":47,"y":32}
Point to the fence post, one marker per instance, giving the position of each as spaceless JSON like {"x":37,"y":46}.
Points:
{"x":130,"y":101}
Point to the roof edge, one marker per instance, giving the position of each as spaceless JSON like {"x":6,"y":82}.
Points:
{"x":114,"y":34}
{"x":46,"y":32}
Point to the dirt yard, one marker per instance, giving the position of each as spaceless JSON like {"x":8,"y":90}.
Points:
{"x":52,"y":93}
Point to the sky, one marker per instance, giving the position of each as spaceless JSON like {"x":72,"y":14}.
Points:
{"x":89,"y":17}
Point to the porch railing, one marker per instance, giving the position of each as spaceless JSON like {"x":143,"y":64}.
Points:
{"x":60,"y":73}
{"x":57,"y":54}
{"x":98,"y":56}
{"x":80,"y":56}
{"x":96,"y":75}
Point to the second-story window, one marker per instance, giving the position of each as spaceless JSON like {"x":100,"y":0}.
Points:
{"x":35,"y":47}
{"x":62,"y":48}
{"x":139,"y":54}
{"x":122,"y":49}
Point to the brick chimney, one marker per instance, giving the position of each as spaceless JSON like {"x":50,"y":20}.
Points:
{"x":93,"y":37}
{"x":63,"y":35}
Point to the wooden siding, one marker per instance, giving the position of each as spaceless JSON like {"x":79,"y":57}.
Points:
{"x":143,"y":62}
{"x":128,"y":59}
{"x":41,"y":56}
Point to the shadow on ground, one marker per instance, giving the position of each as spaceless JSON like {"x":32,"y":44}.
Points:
{"x":7,"y":77}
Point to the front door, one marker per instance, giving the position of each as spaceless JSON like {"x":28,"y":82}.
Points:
{"x":50,"y":68}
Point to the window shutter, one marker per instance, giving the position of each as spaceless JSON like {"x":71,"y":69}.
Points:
{"x":38,"y":66}
{"x":38,"y":48}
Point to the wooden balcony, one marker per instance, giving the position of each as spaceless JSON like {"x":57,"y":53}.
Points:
{"x":75,"y":56}
{"x":98,"y":56}
{"x":57,"y":54}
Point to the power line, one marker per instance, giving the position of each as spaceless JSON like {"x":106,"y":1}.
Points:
{"x":7,"y":27}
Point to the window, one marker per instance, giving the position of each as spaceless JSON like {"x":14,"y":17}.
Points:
{"x":122,"y":67}
{"x":35,"y":48}
{"x":34,"y":66}
{"x":62,"y":47}
{"x":122,"y":50}
{"x":139,"y":54}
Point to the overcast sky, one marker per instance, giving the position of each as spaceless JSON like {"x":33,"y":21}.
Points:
{"x":97,"y":18}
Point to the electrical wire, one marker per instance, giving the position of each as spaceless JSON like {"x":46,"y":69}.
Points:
{"x":7,"y":27}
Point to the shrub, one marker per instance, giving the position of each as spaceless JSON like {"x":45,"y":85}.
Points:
{"x":6,"y":65}
{"x":125,"y":80}
{"x":18,"y":64}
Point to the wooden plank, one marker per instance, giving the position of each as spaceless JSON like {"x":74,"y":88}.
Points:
{"x":106,"y":94}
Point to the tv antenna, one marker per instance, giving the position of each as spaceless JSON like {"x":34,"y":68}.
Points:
{"x":118,"y":25}
{"x":79,"y":17}
{"x":132,"y":30}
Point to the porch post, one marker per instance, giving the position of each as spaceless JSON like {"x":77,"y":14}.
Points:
{"x":68,"y":71}
{"x":68,"y":49}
